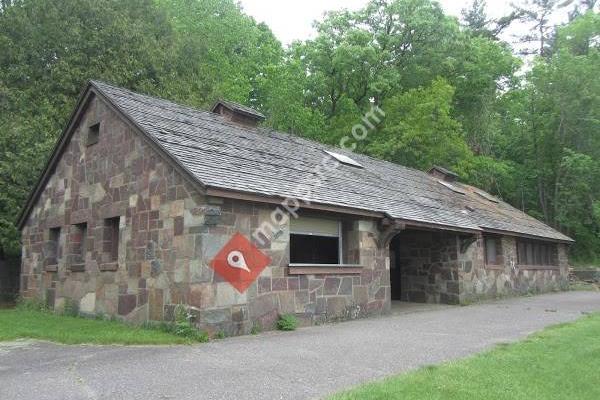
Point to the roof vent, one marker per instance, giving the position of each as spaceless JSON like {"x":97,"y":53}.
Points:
{"x":443,"y":173}
{"x":344,"y":159}
{"x":238,"y":113}
{"x":452,"y":187}
{"x":487,"y":196}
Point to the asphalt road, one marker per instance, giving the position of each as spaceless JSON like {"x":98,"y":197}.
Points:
{"x":308,"y":363}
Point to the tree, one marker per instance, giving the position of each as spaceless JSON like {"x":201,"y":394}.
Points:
{"x":476,"y":20}
{"x":189,"y":51}
{"x":419,"y":130}
{"x":553,"y":133}
{"x":537,"y":13}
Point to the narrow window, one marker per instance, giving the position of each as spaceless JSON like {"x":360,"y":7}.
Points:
{"x":111,"y":239}
{"x":93,"y":134}
{"x":537,"y":251}
{"x":521,"y":253}
{"x":490,"y":250}
{"x":530,"y":259}
{"x":79,"y":243}
{"x":52,"y":247}
{"x":315,"y":241}
{"x":547,"y":254}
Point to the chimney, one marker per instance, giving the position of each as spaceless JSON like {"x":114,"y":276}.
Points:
{"x":443,"y":174}
{"x":238,"y":113}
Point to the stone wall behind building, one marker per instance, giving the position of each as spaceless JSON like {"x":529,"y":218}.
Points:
{"x":169,"y":231}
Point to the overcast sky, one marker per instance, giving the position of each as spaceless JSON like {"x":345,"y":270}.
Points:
{"x":292,"y":19}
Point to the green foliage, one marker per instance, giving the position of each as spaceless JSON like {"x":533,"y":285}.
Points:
{"x":27,"y":304}
{"x":220,"y":335}
{"x":419,"y":130}
{"x":32,"y":324}
{"x":71,"y":308}
{"x":189,"y":51}
{"x":287,"y":322}
{"x":184,"y":325}
{"x":453,"y":94}
{"x":256,"y":329}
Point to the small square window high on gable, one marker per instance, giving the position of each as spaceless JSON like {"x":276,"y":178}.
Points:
{"x":93,"y":134}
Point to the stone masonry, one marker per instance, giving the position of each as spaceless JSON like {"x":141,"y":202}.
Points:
{"x":428,"y":266}
{"x":478,"y":280}
{"x":120,"y":229}
{"x":450,"y":268}
{"x":168,"y":232}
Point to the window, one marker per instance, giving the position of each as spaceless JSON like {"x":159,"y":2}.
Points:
{"x":315,"y":241}
{"x":491,"y":250}
{"x":93,"y":134}
{"x":531,"y":252}
{"x":52,"y":247}
{"x":110,"y":239}
{"x":78,"y":243}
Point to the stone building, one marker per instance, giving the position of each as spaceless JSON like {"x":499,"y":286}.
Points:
{"x":146,"y":204}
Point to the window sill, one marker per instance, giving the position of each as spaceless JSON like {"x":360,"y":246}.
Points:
{"x":77,"y":267}
{"x":539,"y":267}
{"x":494,"y":266}
{"x":324,"y":269}
{"x":51,"y":268}
{"x":112,"y":266}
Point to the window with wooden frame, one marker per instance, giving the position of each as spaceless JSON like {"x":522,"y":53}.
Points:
{"x":493,"y":250}
{"x":110,"y":239}
{"x":315,"y":241}
{"x":538,"y":253}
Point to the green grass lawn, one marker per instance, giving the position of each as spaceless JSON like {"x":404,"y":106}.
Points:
{"x":18,"y":324}
{"x":561,"y":362}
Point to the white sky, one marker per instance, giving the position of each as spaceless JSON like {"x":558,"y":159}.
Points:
{"x":293,"y":19}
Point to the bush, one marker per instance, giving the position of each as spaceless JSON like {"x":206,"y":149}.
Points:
{"x":220,"y":335}
{"x":287,"y":322}
{"x":184,"y":326}
{"x":26,"y":304}
{"x":256,"y":329}
{"x":71,"y":308}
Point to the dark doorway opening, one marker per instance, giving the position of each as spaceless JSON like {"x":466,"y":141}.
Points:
{"x":9,"y":279}
{"x":424,"y":267}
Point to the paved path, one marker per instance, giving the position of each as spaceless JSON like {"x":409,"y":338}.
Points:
{"x":307,"y":363}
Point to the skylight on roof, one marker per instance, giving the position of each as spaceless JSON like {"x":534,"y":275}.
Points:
{"x":452,"y":187}
{"x":344,"y":159}
{"x":487,"y":196}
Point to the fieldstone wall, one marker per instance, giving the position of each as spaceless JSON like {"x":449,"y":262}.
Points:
{"x":480,"y":281}
{"x":427,"y":265}
{"x":169,"y":231}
